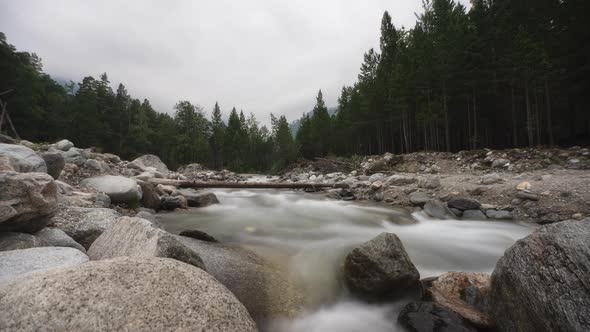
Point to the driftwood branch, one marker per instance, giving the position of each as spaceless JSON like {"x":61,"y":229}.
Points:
{"x":335,"y":161}
{"x":248,"y":185}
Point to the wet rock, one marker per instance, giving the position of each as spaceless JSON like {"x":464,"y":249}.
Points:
{"x":266,"y":290}
{"x":87,"y":224}
{"x":150,"y":198}
{"x":15,"y":264}
{"x":438,"y":210}
{"x":429,"y":317}
{"x":173,"y":202}
{"x":120,"y":189}
{"x":27,"y":201}
{"x":123,"y":294}
{"x":464,"y":203}
{"x":196,"y":234}
{"x":499,"y":214}
{"x":419,"y":198}
{"x":456,"y":212}
{"x":63,"y":145}
{"x":150,"y":160}
{"x":542,"y":282}
{"x":380,"y":269}
{"x":55,"y":163}
{"x":491,"y":178}
{"x":474,"y":215}
{"x":23,"y":159}
{"x":464,"y":293}
{"x":199,"y":199}
{"x":137,"y":237}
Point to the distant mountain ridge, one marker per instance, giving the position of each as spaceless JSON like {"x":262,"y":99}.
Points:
{"x":294,"y":126}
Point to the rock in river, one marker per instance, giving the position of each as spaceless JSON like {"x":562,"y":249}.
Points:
{"x":464,"y":203}
{"x":123,"y":294}
{"x":542,"y":283}
{"x":432,"y":317}
{"x":380,"y":269}
{"x":120,"y":189}
{"x":27,"y":201}
{"x":139,"y":238}
{"x":199,"y":199}
{"x":14,"y":264}
{"x":438,"y":210}
{"x":265,"y":289}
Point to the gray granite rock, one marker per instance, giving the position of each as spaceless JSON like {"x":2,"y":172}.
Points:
{"x":23,"y":158}
{"x":27,"y":201}
{"x":542,"y":283}
{"x":150,"y":160}
{"x":265,"y":289}
{"x":55,"y":163}
{"x":438,"y":210}
{"x":119,"y":188}
{"x":55,"y":237}
{"x":137,"y":237}
{"x":89,"y":223}
{"x":474,"y":215}
{"x":123,"y":294}
{"x":380,"y":269}
{"x":14,"y":241}
{"x":15,"y":264}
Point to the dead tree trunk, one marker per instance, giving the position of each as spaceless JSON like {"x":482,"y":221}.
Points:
{"x":248,"y":185}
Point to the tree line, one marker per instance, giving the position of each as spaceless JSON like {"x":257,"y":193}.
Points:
{"x":90,"y":113}
{"x":506,"y":73}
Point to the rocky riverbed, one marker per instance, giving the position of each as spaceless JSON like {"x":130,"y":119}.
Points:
{"x":83,"y":247}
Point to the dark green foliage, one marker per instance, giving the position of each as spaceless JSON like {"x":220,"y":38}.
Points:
{"x":495,"y":76}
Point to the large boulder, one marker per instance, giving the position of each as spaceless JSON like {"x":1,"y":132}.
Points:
{"x":139,"y":238}
{"x":380,"y":269}
{"x":199,"y":199}
{"x":119,"y":188}
{"x":173,"y":202}
{"x":464,"y":293}
{"x":6,"y":164}
{"x":265,"y":289}
{"x":149,"y":160}
{"x":75,"y":156}
{"x":438,"y":210}
{"x":14,"y":264}
{"x":542,"y":283}
{"x":150,"y":198}
{"x":85,"y":225}
{"x":123,"y":294}
{"x":24,"y":159}
{"x":55,"y":163}
{"x":429,"y":317}
{"x":27,"y":201}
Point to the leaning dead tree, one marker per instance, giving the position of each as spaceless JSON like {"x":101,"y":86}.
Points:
{"x":5,"y":115}
{"x":245,"y":185}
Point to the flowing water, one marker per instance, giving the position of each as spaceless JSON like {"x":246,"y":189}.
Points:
{"x":311,"y":235}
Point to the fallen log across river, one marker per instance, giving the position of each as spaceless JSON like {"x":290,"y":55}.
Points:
{"x":247,"y":185}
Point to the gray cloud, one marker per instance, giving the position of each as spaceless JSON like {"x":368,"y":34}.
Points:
{"x":261,"y":56}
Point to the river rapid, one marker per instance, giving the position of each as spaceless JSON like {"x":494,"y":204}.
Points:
{"x":310,"y":235}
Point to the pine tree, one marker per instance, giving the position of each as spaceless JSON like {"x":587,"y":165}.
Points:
{"x":217,"y":137}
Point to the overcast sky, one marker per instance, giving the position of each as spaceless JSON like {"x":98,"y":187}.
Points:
{"x":261,"y":56}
